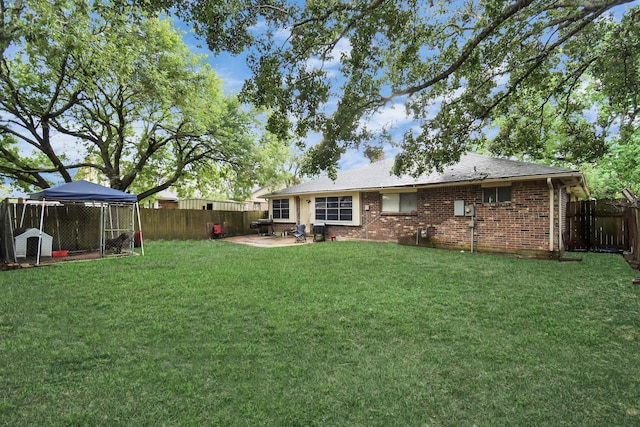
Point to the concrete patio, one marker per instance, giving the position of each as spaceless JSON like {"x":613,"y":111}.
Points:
{"x":267,"y":241}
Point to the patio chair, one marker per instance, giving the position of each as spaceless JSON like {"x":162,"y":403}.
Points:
{"x":218,"y":231}
{"x":301,"y":234}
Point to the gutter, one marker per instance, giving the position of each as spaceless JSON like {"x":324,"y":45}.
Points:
{"x":474,"y":181}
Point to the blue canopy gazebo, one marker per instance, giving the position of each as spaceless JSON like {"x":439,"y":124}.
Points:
{"x":84,"y":191}
{"x":85,"y":217}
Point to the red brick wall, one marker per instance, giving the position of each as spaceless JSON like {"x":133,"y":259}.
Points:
{"x":520,"y":226}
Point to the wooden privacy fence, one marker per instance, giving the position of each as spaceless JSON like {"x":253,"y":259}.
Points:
{"x":601,"y":225}
{"x":190,"y":224}
{"x":634,"y":234}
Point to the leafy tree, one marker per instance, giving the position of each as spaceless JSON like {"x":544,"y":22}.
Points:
{"x":280,"y":168}
{"x":596,"y":121}
{"x":101,"y":85}
{"x":616,"y":171}
{"x":461,"y":69}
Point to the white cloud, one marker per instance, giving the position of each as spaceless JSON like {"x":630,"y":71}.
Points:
{"x":332,"y":62}
{"x":233,"y":78}
{"x":391,"y":116}
{"x":352,"y":159}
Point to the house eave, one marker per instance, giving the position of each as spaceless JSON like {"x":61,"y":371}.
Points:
{"x":573,"y":181}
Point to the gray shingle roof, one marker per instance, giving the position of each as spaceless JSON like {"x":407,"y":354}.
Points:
{"x":470,"y":168}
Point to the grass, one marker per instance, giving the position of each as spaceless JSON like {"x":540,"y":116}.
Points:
{"x":336,"y":333}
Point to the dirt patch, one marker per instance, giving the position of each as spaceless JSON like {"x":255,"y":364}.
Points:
{"x":44,"y":261}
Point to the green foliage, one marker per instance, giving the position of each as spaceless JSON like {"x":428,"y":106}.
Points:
{"x":460,"y":69}
{"x":336,"y":333}
{"x":123,"y":96}
{"x":618,"y":170}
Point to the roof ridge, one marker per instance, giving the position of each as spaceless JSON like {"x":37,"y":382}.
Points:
{"x":472,"y":167}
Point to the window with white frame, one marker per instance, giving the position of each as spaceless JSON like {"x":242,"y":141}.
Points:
{"x":399,"y":202}
{"x":496,"y":195}
{"x":280,"y":209}
{"x":338,"y":208}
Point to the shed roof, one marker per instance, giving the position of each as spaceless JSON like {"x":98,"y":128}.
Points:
{"x":471,"y":168}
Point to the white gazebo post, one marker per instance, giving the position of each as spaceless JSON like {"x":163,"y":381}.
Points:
{"x":40,"y":231}
{"x":140,"y":228}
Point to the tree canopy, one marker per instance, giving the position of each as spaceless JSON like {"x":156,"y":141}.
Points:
{"x":102,"y":85}
{"x":539,"y":79}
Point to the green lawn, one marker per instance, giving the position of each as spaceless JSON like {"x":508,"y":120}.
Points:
{"x":327,"y":334}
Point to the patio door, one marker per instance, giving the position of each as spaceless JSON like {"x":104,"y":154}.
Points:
{"x":306,"y":210}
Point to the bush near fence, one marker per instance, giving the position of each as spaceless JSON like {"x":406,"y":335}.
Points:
{"x":191,"y":224}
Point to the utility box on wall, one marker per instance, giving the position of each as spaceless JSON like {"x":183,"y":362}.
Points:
{"x":469,"y":210}
{"x":458,"y":207}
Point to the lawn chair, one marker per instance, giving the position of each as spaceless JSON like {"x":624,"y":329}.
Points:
{"x":301,"y":234}
{"x":218,"y":231}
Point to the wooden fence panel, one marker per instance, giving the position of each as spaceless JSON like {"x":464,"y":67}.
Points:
{"x":190,"y":224}
{"x":634,"y":235}
{"x":595,"y":225}
{"x":579,"y":223}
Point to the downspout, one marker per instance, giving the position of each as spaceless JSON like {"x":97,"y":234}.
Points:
{"x":366,"y":223}
{"x":551,"y":203}
{"x":561,"y":219}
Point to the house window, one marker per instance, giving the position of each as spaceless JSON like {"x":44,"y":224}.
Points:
{"x":399,"y":202}
{"x":334,"y":208}
{"x":496,"y":195}
{"x":281,"y":209}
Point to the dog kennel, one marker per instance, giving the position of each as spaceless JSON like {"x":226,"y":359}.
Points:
{"x":78,"y":220}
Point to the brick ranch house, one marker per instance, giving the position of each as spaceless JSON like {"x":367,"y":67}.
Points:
{"x":500,"y":205}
